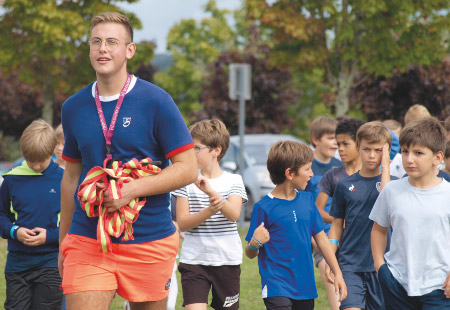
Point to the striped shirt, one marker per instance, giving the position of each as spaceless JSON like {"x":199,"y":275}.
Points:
{"x":216,"y":241}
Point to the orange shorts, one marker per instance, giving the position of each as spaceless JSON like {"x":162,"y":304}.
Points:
{"x":137,"y":272}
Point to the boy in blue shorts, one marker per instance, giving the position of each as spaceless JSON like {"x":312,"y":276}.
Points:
{"x":29,"y":219}
{"x":348,"y":152}
{"x":353,"y":200}
{"x":280,"y":232}
{"x":415,"y":273}
{"x":207,"y":211}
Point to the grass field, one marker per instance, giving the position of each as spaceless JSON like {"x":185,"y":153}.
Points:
{"x":250,"y":286}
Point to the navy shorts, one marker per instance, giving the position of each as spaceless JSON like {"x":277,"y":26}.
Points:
{"x":363,"y":291}
{"x":395,"y":295}
{"x":285,"y":303}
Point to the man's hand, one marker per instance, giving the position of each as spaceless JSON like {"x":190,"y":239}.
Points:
{"x":23,"y":234}
{"x":203,"y":184}
{"x":116,"y":204}
{"x":39,"y":238}
{"x":340,"y":287}
{"x":329,"y":274}
{"x":446,"y":286}
{"x":261,"y":234}
{"x":61,"y":264}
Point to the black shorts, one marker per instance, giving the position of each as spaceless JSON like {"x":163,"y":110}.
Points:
{"x":34,"y":289}
{"x":197,"y":280}
{"x":285,"y":303}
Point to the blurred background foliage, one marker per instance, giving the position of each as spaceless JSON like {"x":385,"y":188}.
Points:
{"x":367,"y":59}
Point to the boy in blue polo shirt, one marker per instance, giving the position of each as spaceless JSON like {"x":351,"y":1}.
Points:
{"x":29,"y":219}
{"x":280,"y":232}
{"x":352,"y":202}
{"x":415,"y":273}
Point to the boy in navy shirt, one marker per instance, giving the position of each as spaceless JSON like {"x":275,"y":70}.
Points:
{"x":346,"y":141}
{"x":415,"y":273}
{"x":280,"y":232}
{"x":353,"y":200}
{"x":29,"y":219}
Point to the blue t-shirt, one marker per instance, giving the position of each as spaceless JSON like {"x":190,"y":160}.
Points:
{"x":149,"y":124}
{"x":285,"y":262}
{"x":353,"y":200}
{"x":319,"y":169}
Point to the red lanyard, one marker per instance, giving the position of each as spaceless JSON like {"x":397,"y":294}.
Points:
{"x":108,"y":133}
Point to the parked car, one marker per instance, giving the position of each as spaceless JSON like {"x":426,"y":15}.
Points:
{"x":256,"y":176}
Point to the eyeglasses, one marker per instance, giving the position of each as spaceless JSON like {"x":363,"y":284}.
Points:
{"x":197,"y":149}
{"x":111,"y":44}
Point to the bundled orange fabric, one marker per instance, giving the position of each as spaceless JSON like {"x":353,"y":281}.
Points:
{"x":91,"y":198}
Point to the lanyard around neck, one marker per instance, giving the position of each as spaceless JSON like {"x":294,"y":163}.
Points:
{"x":108,"y":133}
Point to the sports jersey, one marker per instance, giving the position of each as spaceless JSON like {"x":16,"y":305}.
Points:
{"x":419,"y":257}
{"x":285,"y":262}
{"x":353,"y":200}
{"x":216,"y":241}
{"x":149,"y":124}
{"x":319,"y":169}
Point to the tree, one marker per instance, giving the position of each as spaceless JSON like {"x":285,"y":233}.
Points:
{"x":45,"y":42}
{"x":389,"y":98}
{"x":272,"y":93}
{"x":345,"y":37}
{"x":194,"y":46}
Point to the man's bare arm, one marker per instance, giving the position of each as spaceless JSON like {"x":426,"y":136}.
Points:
{"x":69,"y":185}
{"x":182,"y":172}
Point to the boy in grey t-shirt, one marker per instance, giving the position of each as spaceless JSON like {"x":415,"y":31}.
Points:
{"x":415,"y":273}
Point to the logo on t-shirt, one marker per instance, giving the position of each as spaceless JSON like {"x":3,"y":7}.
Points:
{"x":52,"y":191}
{"x":126,"y":121}
{"x":352,"y":188}
{"x":378,"y":185}
{"x":168,"y":284}
{"x":295,"y":216}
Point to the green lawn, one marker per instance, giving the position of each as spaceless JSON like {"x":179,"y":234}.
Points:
{"x":250,"y":286}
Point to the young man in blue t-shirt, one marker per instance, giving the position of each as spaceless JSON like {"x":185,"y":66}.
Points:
{"x":280,"y":232}
{"x":121,"y":117}
{"x":353,"y":200}
{"x":29,"y":219}
{"x":346,"y":141}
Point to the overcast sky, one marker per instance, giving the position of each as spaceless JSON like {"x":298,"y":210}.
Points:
{"x":158,"y":16}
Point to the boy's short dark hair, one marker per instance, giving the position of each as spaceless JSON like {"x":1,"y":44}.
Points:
{"x":287,"y":154}
{"x":373,"y":132}
{"x":320,"y":126}
{"x":427,"y":132}
{"x":212,"y":133}
{"x":349,"y":127}
{"x":38,"y":141}
{"x":447,"y":149}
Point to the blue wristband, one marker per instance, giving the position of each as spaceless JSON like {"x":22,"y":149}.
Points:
{"x":252,"y":247}
{"x":13,"y":230}
{"x":334,"y":241}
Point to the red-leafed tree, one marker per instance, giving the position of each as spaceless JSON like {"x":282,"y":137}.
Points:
{"x":272,"y":93}
{"x":390,"y":98}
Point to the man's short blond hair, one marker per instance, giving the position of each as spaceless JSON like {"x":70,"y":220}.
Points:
{"x":373,"y":132}
{"x":416,"y":112}
{"x":320,"y":126}
{"x":113,"y":17}
{"x":38,"y":141}
{"x":212,"y":133}
{"x":287,"y":154}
